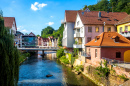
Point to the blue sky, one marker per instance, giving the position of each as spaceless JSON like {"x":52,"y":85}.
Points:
{"x":34,"y":15}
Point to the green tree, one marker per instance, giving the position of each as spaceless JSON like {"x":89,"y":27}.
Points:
{"x":38,"y":35}
{"x":9,"y":62}
{"x":47,"y":31}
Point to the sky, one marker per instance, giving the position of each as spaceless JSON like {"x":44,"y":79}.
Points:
{"x":35,"y":15}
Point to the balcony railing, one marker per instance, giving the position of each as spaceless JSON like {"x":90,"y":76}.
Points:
{"x":77,"y":34}
{"x":125,"y":34}
{"x":85,"y":54}
{"x":77,"y":45}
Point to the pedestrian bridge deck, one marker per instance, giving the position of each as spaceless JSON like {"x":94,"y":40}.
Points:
{"x":40,"y":49}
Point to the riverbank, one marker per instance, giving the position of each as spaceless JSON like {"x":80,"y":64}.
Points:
{"x":23,"y":57}
{"x":101,"y":75}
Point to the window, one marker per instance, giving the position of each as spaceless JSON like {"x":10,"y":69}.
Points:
{"x":117,"y":39}
{"x":95,"y":52}
{"x":77,"y":23}
{"x":78,"y":30}
{"x":89,"y":51}
{"x":109,"y":29}
{"x":120,"y":29}
{"x":126,"y":28}
{"x":96,"y":29}
{"x":118,"y":54}
{"x":89,"y":29}
{"x":88,"y":39}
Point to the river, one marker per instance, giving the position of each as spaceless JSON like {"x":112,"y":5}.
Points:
{"x":33,"y":72}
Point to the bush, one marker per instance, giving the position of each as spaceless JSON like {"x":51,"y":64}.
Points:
{"x":60,"y":53}
{"x":79,"y":68}
{"x":123,"y":77}
{"x":64,"y":60}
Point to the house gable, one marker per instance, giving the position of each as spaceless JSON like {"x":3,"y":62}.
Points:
{"x":78,"y":22}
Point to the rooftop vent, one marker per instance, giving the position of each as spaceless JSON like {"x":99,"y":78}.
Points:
{"x":115,"y":19}
{"x":108,"y":19}
{"x":99,"y":19}
{"x":109,"y":35}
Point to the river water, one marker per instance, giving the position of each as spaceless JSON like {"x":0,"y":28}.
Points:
{"x":34,"y":70}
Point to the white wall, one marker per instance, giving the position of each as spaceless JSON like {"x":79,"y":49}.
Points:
{"x":70,"y":34}
{"x":13,"y":28}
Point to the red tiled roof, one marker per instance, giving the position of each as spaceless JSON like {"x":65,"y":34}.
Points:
{"x":70,"y":15}
{"x":106,"y":40}
{"x":124,"y":20}
{"x":8,"y":21}
{"x":108,"y":18}
{"x":32,"y":34}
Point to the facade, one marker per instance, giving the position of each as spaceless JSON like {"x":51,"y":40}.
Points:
{"x":68,"y":33}
{"x":10,"y":23}
{"x":89,"y":24}
{"x":29,"y":40}
{"x":47,"y":42}
{"x":18,"y":39}
{"x":123,"y":27}
{"x":110,"y":45}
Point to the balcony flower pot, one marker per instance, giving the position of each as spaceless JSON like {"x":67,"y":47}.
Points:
{"x":126,"y":32}
{"x":122,"y":32}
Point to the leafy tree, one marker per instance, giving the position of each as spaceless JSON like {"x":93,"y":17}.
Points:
{"x":26,"y":33}
{"x":38,"y":35}
{"x":111,"y":5}
{"x":85,"y":7}
{"x":47,"y":31}
{"x":9,"y":58}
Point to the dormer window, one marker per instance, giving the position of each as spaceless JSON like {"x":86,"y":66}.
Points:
{"x":96,"y":38}
{"x":115,"y":38}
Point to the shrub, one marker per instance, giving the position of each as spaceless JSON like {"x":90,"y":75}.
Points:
{"x":60,"y":53}
{"x":123,"y":77}
{"x":64,"y":60}
{"x":79,"y":68}
{"x":103,"y":71}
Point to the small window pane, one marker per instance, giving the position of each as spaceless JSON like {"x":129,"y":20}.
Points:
{"x":126,"y":28}
{"x":118,"y":54}
{"x":109,"y":29}
{"x":88,"y":39}
{"x":89,"y":29}
{"x":97,"y":29}
{"x":95,"y":52}
{"x":120,"y":29}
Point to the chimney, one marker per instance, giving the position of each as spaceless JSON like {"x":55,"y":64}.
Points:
{"x":99,"y":14}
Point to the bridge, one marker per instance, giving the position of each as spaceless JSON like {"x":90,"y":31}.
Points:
{"x":40,"y":49}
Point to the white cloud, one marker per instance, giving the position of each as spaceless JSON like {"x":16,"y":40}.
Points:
{"x":19,"y":27}
{"x":50,"y":23}
{"x":24,"y":31}
{"x":36,"y":6}
{"x":51,"y":16}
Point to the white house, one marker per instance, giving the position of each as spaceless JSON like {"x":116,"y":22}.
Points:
{"x":68,"y":33}
{"x":10,"y":23}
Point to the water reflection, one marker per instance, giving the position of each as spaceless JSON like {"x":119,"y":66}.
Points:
{"x":34,"y":70}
